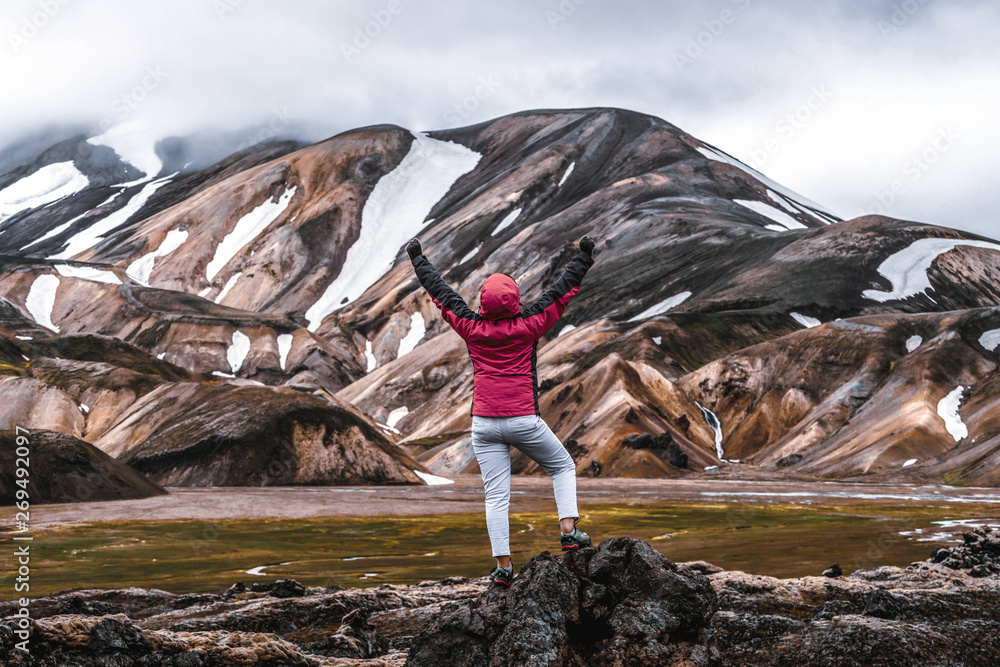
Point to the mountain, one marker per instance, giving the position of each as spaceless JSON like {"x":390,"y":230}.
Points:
{"x":726,"y":318}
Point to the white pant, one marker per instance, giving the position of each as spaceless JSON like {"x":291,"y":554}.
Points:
{"x":492,"y":438}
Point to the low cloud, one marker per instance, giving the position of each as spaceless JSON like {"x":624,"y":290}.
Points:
{"x":740,"y":74}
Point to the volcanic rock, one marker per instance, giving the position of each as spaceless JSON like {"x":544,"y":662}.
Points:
{"x":64,"y":469}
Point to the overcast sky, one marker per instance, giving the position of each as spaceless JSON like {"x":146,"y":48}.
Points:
{"x":867,"y":106}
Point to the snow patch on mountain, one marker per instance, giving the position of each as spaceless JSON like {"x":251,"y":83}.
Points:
{"x":246,"y":230}
{"x":565,"y":330}
{"x":396,"y":210}
{"x":662,"y":307}
{"x":433,"y":480}
{"x":569,"y":170}
{"x":134,"y":145}
{"x":906,"y":270}
{"x":396,"y":415}
{"x":805,"y":320}
{"x":42,"y":298}
{"x":506,"y":222}
{"x":88,"y":273}
{"x":908,"y":462}
{"x":228,"y":286}
{"x":44,"y":186}
{"x":418,"y":327}
{"x":141,"y":269}
{"x":369,"y":357}
{"x":712,"y":420}
{"x":913,"y":342}
{"x":716,"y":154}
{"x":990,"y":339}
{"x":947,"y":409}
{"x":469,"y":255}
{"x":237,"y":352}
{"x":284,"y":347}
{"x":93,"y":234}
{"x":768,"y":211}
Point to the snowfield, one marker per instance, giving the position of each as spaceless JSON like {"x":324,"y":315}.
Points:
{"x":141,"y":269}
{"x":246,"y":229}
{"x":906,"y":270}
{"x":719,"y":156}
{"x":134,"y":145}
{"x":50,"y":183}
{"x":507,"y":221}
{"x":92,"y":235}
{"x":805,"y":320}
{"x":88,"y":273}
{"x":990,"y":339}
{"x":913,"y":342}
{"x":947,"y":409}
{"x":284,"y":347}
{"x":228,"y":286}
{"x":395,"y":416}
{"x":418,"y":327}
{"x":662,"y":307}
{"x":569,"y":170}
{"x":786,"y":221}
{"x":42,"y":298}
{"x":237,"y":352}
{"x":395,"y":212}
{"x":433,"y":480}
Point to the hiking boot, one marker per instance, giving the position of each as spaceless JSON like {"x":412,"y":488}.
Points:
{"x":501,"y":575}
{"x":574,"y":540}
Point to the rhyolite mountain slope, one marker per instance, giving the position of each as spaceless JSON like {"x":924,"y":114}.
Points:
{"x":740,"y":319}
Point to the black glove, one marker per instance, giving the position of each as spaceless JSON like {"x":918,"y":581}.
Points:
{"x":413,"y":249}
{"x":587,"y":245}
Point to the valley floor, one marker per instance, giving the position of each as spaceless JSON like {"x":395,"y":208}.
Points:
{"x":529,"y":494}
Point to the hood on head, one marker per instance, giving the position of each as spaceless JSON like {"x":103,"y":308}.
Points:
{"x":499,"y":299}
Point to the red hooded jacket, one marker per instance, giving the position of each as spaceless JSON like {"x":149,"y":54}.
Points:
{"x":502,"y":339}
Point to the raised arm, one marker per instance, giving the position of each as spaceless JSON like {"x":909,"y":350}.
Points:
{"x":544,"y":313}
{"x":454,"y":310}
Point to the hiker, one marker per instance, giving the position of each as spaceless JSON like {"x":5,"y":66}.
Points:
{"x":502,"y":340}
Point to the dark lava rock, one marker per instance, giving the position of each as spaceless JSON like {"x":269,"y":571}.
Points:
{"x":881,"y":604}
{"x":621,"y":603}
{"x":282,"y":588}
{"x":978,"y":555}
{"x":833,"y":571}
{"x":69,"y":470}
{"x":789,"y":460}
{"x":663,"y":445}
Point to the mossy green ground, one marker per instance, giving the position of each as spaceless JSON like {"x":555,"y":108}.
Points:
{"x":202,"y":556}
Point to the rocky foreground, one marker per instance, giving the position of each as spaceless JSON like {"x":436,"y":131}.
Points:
{"x":620,"y":603}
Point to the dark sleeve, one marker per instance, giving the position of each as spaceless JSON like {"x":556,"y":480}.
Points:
{"x":544,"y":313}
{"x":454,"y":310}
